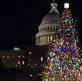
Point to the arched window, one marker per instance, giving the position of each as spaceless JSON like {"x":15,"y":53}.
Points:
{"x":51,"y":38}
{"x":50,"y":27}
{"x":53,"y":27}
{"x":45,"y":28}
{"x":43,"y":40}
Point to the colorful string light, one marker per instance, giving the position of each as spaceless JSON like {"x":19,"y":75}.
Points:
{"x":64,"y":61}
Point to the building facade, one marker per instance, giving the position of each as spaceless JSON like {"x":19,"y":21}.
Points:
{"x":48,"y":26}
{"x":12,"y":58}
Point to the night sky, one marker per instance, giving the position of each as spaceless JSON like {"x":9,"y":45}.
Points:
{"x":19,"y":20}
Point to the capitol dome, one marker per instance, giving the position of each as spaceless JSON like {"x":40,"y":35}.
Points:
{"x":50,"y":18}
{"x":48,"y":26}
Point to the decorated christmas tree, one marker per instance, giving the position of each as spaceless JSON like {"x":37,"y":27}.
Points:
{"x":63,"y":56}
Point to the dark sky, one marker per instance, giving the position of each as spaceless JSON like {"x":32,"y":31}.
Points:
{"x":19,"y":20}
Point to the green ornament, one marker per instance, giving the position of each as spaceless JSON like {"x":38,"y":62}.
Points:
{"x":66,"y":20}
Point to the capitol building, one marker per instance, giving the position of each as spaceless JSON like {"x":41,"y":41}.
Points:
{"x":48,"y":26}
{"x":33,"y":58}
{"x":18,"y":58}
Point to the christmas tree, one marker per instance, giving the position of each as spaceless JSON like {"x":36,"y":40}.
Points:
{"x":63,"y":56}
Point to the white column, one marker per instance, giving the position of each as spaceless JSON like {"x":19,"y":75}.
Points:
{"x":52,"y":27}
{"x":47,"y":39}
{"x":44,"y":39}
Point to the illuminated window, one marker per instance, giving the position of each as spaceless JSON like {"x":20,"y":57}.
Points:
{"x":18,"y":56}
{"x":28,"y":64}
{"x":29,"y":52}
{"x":48,"y":58}
{"x":41,"y":65}
{"x":51,"y":38}
{"x":23,"y":62}
{"x":15,"y":65}
{"x":29,"y":59}
{"x":68,"y":34}
{"x":48,"y":38}
{"x":41,"y":39}
{"x":7,"y":56}
{"x":39,"y":74}
{"x":18,"y":62}
{"x":31,"y":75}
{"x":23,"y":56}
{"x":41,"y":58}
{"x":19,"y":67}
{"x":35,"y":64}
{"x":53,"y":7}
{"x":15,"y":48}
{"x":3,"y":56}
